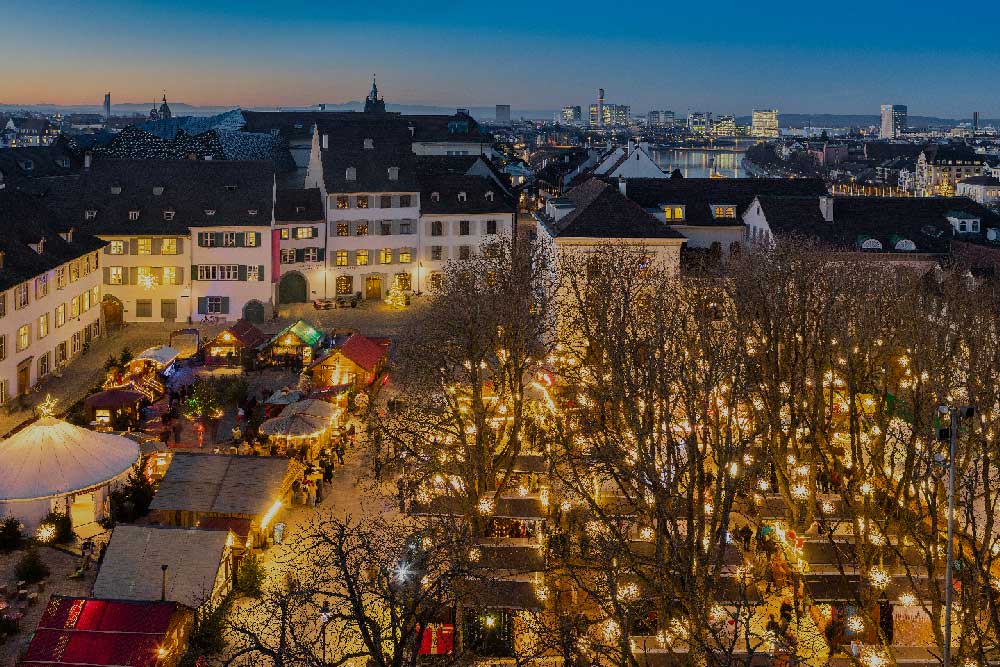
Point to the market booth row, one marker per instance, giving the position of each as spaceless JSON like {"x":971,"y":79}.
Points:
{"x":53,"y":465}
{"x":244,"y":493}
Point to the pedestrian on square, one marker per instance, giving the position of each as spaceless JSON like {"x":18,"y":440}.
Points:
{"x":340,"y":452}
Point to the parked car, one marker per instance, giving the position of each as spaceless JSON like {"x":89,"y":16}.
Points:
{"x":324,"y":304}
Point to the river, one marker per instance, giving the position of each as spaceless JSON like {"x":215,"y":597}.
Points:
{"x":700,"y":163}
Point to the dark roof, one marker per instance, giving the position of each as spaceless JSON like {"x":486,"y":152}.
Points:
{"x":246,"y":333}
{"x":881,"y":151}
{"x":19,"y":164}
{"x":298,"y":205}
{"x":113,"y":398}
{"x":888,"y":220}
{"x":191,"y":189}
{"x":26,"y":220}
{"x":698,"y":195}
{"x":390,"y":147}
{"x":951,"y":152}
{"x":431,"y":128}
{"x":604,"y":212}
{"x":981,"y":180}
{"x":448,"y":188}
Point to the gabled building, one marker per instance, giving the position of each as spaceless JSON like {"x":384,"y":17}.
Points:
{"x":940,"y":168}
{"x":629,"y":161}
{"x":186,"y":239}
{"x":19,"y":167}
{"x":50,"y":292}
{"x":984,"y":190}
{"x":300,"y":239}
{"x":27,"y":131}
{"x":595,"y":213}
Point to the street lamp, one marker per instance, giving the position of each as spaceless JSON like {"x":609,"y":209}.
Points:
{"x":951,"y":432}
{"x":324,"y":619}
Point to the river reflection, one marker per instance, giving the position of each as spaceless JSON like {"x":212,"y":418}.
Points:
{"x":700,"y":164}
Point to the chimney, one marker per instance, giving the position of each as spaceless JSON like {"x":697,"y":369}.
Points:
{"x":88,"y":157}
{"x":826,"y":207}
{"x":163,"y":585}
{"x":412,"y":129}
{"x":622,"y":185}
{"x":326,"y":141}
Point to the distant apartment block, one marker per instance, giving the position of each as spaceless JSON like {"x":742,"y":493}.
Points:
{"x":764,"y":124}
{"x":893,"y":121}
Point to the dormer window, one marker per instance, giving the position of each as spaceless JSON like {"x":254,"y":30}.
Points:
{"x":89,"y":214}
{"x":63,"y":162}
{"x":68,"y":235}
{"x":38,"y":247}
{"x":231,"y":187}
{"x":26,"y":165}
{"x":300,"y":209}
{"x":251,"y":211}
{"x":393,"y":173}
{"x":209,"y":212}
{"x":435,"y":196}
{"x":369,"y":144}
{"x":351,"y":174}
{"x":724,"y":211}
{"x":489,"y":196}
{"x":133,"y":215}
{"x":462,"y":196}
{"x":116,"y":189}
{"x":157,"y":190}
{"x":168,"y":215}
{"x":674,"y":212}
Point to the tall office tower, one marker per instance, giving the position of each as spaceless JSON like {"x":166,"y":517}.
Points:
{"x":503,"y":114}
{"x":893,"y":121}
{"x":617,"y":115}
{"x":107,"y":107}
{"x":975,"y":121}
{"x":572,"y":114}
{"x":699,"y":122}
{"x":660,"y":118}
{"x":764,"y":124}
{"x":600,"y":108}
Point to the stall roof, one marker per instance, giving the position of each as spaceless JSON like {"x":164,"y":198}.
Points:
{"x":212,"y":483}
{"x":84,"y":631}
{"x":285,"y":397}
{"x":131,"y":567}
{"x":312,"y":407}
{"x":364,"y":351}
{"x":113,"y":398}
{"x":302,"y":330}
{"x":246,"y":333}
{"x":161,"y":354}
{"x":295,"y":425}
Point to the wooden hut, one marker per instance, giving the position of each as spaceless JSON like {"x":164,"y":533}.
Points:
{"x":353,"y":364}
{"x":295,"y":343}
{"x":105,"y":408}
{"x":234,"y":346}
{"x":200,"y":486}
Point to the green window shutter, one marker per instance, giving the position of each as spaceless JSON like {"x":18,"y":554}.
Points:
{"x":300,"y":254}
{"x":107,"y":276}
{"x":241,"y":240}
{"x":202,"y":305}
{"x":225,"y":305}
{"x":260,"y":273}
{"x":241,"y":272}
{"x":257,"y":239}
{"x":217,"y":237}
{"x":321,"y":254}
{"x":194,"y":272}
{"x":156,"y":246}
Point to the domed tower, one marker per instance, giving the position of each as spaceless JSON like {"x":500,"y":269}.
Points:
{"x":373,"y":104}
{"x":164,"y":108}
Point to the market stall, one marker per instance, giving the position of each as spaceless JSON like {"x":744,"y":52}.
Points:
{"x":113,"y":409}
{"x":234,"y":346}
{"x":299,"y":435}
{"x":292,"y":345}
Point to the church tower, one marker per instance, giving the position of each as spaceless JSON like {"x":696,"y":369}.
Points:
{"x":373,"y":104}
{"x":164,"y":108}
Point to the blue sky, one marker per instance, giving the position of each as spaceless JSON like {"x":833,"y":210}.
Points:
{"x":725,"y":56}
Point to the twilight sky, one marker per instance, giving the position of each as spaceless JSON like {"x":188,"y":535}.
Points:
{"x":724,"y":56}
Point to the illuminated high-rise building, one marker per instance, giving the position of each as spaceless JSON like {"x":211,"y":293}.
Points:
{"x":572,"y":114}
{"x":764,"y":124}
{"x":893,"y":121}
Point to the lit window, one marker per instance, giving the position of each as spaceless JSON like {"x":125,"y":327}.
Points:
{"x":115,"y":275}
{"x":168,"y":246}
{"x":304,"y":232}
{"x":404,"y":256}
{"x":116,"y":247}
{"x":21,"y":296}
{"x":343,"y":229}
{"x":23,"y":337}
{"x":250,"y":239}
{"x":345,"y":285}
{"x":60,"y":315}
{"x":145,"y":247}
{"x":43,"y":326}
{"x":61,"y":277}
{"x":361,"y":229}
{"x":74,"y":307}
{"x":169,"y":275}
{"x":362,"y":258}
{"x":341,"y":258}
{"x":362,"y":201}
{"x":402,"y":281}
{"x":385,"y":256}
{"x":253,"y":273}
{"x":287,"y":256}
{"x":343,"y":202}
{"x":284,"y":234}
{"x":229,"y":239}
{"x":206,"y":239}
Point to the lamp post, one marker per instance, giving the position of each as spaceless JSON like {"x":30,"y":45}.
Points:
{"x":954,"y":413}
{"x":324,"y":619}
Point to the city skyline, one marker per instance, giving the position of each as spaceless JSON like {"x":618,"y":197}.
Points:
{"x":303,"y":55}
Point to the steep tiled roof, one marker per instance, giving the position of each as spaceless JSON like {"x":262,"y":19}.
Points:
{"x":601,"y":211}
{"x":25,"y":220}
{"x":698,"y":195}
{"x":198,"y":193}
{"x":946,"y":153}
{"x":887,"y":220}
{"x":390,"y":147}
{"x":18,"y":165}
{"x":440,"y":195}
{"x":981,"y":180}
{"x":363,"y":351}
{"x":298,"y":205}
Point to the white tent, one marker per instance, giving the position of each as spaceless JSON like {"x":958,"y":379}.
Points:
{"x":161,"y":354}
{"x":54,"y":465}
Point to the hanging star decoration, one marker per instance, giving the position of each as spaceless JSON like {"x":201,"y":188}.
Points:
{"x":47,"y":408}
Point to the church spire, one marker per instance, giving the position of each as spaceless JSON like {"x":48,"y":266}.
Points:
{"x":373,"y":104}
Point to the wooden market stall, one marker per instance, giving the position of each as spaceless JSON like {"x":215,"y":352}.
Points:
{"x":298,"y":435}
{"x":234,"y":346}
{"x":352,"y":364}
{"x":206,"y":486}
{"x":108,"y":408}
{"x":292,"y":345}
